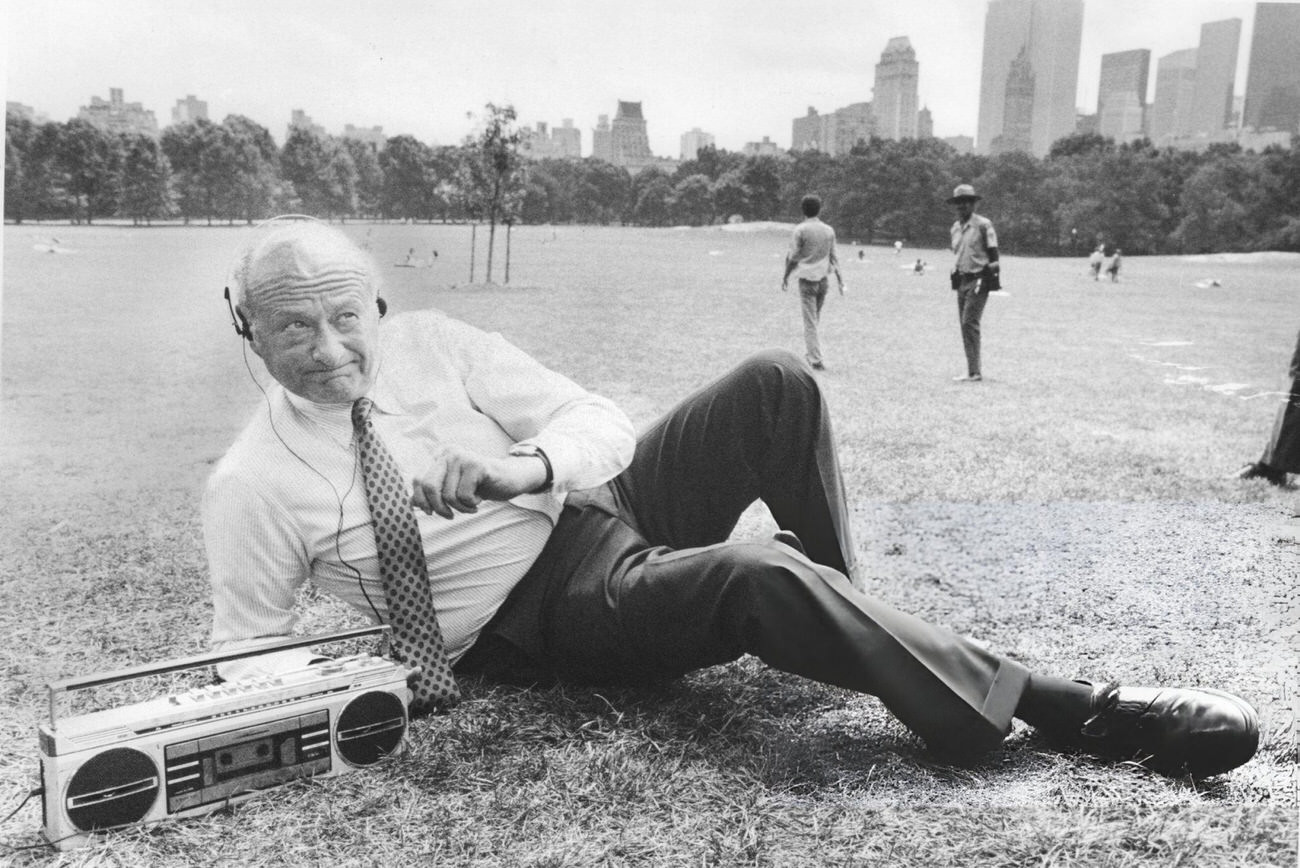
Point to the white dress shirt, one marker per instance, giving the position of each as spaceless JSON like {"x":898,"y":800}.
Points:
{"x":287,"y":502}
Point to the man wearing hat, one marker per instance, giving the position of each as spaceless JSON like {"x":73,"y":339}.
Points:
{"x":974,"y":273}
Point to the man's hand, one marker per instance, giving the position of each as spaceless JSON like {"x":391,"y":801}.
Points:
{"x":459,"y":480}
{"x":785,"y":284}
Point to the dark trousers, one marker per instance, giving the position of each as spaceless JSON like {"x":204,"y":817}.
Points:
{"x":970,"y":309}
{"x":639,"y":583}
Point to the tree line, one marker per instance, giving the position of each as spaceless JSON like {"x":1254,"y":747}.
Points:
{"x":1087,"y":190}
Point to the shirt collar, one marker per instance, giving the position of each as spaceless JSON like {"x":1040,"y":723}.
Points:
{"x":338,"y":417}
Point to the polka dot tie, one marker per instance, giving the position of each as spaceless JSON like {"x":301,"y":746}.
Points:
{"x":417,"y":639}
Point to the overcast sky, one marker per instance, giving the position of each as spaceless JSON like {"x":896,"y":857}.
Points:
{"x":740,"y":69}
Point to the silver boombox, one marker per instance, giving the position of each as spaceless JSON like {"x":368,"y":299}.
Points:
{"x":191,"y":753}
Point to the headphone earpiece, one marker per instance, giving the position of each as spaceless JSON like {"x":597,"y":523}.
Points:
{"x":243,"y":327}
{"x":383,"y":306}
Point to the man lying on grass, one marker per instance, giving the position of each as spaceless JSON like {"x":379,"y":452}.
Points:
{"x":508,"y":524}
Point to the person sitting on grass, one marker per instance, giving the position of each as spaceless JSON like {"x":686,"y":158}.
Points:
{"x":510,"y":526}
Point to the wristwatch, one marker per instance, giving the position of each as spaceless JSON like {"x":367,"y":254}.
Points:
{"x":532,"y":449}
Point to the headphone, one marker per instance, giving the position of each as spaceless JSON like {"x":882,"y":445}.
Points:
{"x":244,"y":328}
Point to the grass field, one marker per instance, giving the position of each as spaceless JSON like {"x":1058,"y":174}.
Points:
{"x":1071,"y":511}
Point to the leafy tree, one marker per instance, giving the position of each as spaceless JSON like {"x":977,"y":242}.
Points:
{"x":1079,"y":144}
{"x":654,"y":201}
{"x":604,"y":192}
{"x":1217,"y":205}
{"x":369,"y":183}
{"x":692,"y":201}
{"x":710,"y":161}
{"x":189,"y":148}
{"x":1019,"y":203}
{"x":536,"y":207}
{"x":33,"y":183}
{"x":730,"y":195}
{"x":808,"y":172}
{"x":322,"y":173}
{"x":91,"y":162}
{"x":493,"y":173}
{"x":1279,"y":203}
{"x":652,"y":177}
{"x":762,"y":178}
{"x":146,"y":180}
{"x":248,"y":181}
{"x":407,"y":166}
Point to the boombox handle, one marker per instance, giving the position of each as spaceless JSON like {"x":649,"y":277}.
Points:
{"x":197,"y":661}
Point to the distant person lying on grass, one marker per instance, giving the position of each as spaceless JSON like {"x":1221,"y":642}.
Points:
{"x":559,"y":546}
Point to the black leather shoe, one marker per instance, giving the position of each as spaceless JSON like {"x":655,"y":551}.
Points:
{"x":1171,"y":730}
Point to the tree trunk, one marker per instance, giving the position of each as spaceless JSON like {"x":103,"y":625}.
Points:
{"x":492,"y":234}
{"x":508,"y":227}
{"x":473,"y":244}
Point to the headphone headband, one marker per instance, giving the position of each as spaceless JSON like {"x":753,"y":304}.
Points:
{"x":245,"y":330}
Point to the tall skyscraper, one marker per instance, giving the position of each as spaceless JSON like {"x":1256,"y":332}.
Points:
{"x":116,"y":115}
{"x":631,"y":143}
{"x":602,"y":140}
{"x":1049,"y":33}
{"x":623,"y":142}
{"x":894,"y":101}
{"x":1171,"y":110}
{"x":189,"y":109}
{"x":1273,"y":85}
{"x":1122,"y":94}
{"x":924,"y":124}
{"x":835,"y":133}
{"x":694,"y":140}
{"x":566,"y":140}
{"x":1017,"y":108}
{"x":1216,"y":74}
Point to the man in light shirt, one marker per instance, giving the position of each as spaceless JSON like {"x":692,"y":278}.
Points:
{"x":812,"y":259}
{"x":559,"y":545}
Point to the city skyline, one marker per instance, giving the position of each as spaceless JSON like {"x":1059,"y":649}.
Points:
{"x":689,"y":65}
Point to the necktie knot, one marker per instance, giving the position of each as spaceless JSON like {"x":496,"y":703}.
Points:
{"x":361,"y":413}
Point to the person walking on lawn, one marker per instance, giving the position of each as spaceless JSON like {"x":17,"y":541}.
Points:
{"x":811,"y":259}
{"x":553,"y":544}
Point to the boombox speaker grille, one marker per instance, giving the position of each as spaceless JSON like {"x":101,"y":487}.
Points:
{"x":117,"y":786}
{"x":370,"y":727}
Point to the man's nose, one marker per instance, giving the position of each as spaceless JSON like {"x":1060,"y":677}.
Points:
{"x":327,"y":347}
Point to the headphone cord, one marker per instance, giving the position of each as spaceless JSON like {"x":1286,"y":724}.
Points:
{"x":338,"y":529}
